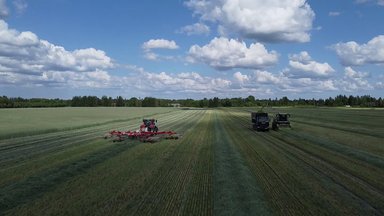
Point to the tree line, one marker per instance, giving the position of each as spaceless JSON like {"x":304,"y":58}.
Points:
{"x":105,"y":101}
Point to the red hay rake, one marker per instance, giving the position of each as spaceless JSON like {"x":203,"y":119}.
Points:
{"x":149,"y":132}
{"x":143,"y":136}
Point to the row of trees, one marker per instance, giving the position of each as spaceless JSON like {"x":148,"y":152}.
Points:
{"x":94,"y":101}
{"x":19,"y":102}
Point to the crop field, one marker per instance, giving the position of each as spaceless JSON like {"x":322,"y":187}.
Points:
{"x":56,"y":162}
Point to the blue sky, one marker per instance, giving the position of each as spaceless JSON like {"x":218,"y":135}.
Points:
{"x":191,"y":48}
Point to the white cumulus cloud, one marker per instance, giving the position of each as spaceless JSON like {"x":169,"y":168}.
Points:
{"x":195,"y":29}
{"x":4,"y":11}
{"x":223,"y":54}
{"x":20,"y":5}
{"x":354,"y":80}
{"x":334,"y":13}
{"x":169,"y":83}
{"x":241,"y":78}
{"x":352,"y":53}
{"x":272,"y":21}
{"x":379,"y":2}
{"x":352,"y":74}
{"x":278,"y":82}
{"x":160,"y":44}
{"x":266,"y":77}
{"x":302,"y":65}
{"x":152,"y":44}
{"x":27,"y":60}
{"x":379,"y":85}
{"x":151,"y":56}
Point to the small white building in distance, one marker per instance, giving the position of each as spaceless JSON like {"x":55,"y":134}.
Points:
{"x":174,"y":105}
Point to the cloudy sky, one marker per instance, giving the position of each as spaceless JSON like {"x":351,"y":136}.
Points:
{"x":191,"y":48}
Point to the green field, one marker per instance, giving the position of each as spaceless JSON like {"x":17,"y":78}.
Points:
{"x":55,"y":162}
{"x":17,"y":122}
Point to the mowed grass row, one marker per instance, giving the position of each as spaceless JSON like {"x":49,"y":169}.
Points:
{"x":236,"y":190}
{"x":311,"y":172}
{"x":266,"y":166}
{"x":114,"y":179}
{"x":183,"y":183}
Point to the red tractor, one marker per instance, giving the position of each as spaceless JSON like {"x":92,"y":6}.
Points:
{"x":149,"y":125}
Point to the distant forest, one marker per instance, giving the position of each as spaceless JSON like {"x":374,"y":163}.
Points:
{"x":93,"y":101}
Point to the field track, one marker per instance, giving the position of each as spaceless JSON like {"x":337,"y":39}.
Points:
{"x":330,"y":163}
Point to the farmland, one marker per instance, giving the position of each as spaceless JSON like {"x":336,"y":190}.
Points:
{"x":55,"y":162}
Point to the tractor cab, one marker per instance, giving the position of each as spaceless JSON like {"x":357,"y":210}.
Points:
{"x":149,"y":125}
{"x":281,"y":120}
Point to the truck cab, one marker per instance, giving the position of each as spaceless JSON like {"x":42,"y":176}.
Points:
{"x":260,"y":121}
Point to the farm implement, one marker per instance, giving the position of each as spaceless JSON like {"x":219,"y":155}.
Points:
{"x":281,"y":120}
{"x":148,"y":132}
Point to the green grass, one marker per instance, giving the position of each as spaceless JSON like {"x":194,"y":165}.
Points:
{"x":21,"y":122}
{"x":55,"y":162}
{"x":328,"y":170}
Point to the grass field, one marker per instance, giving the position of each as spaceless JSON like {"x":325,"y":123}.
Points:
{"x":19,"y":122}
{"x":55,"y":162}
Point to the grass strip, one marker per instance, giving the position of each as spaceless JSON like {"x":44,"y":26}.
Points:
{"x":236,"y":192}
{"x":35,"y":186}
